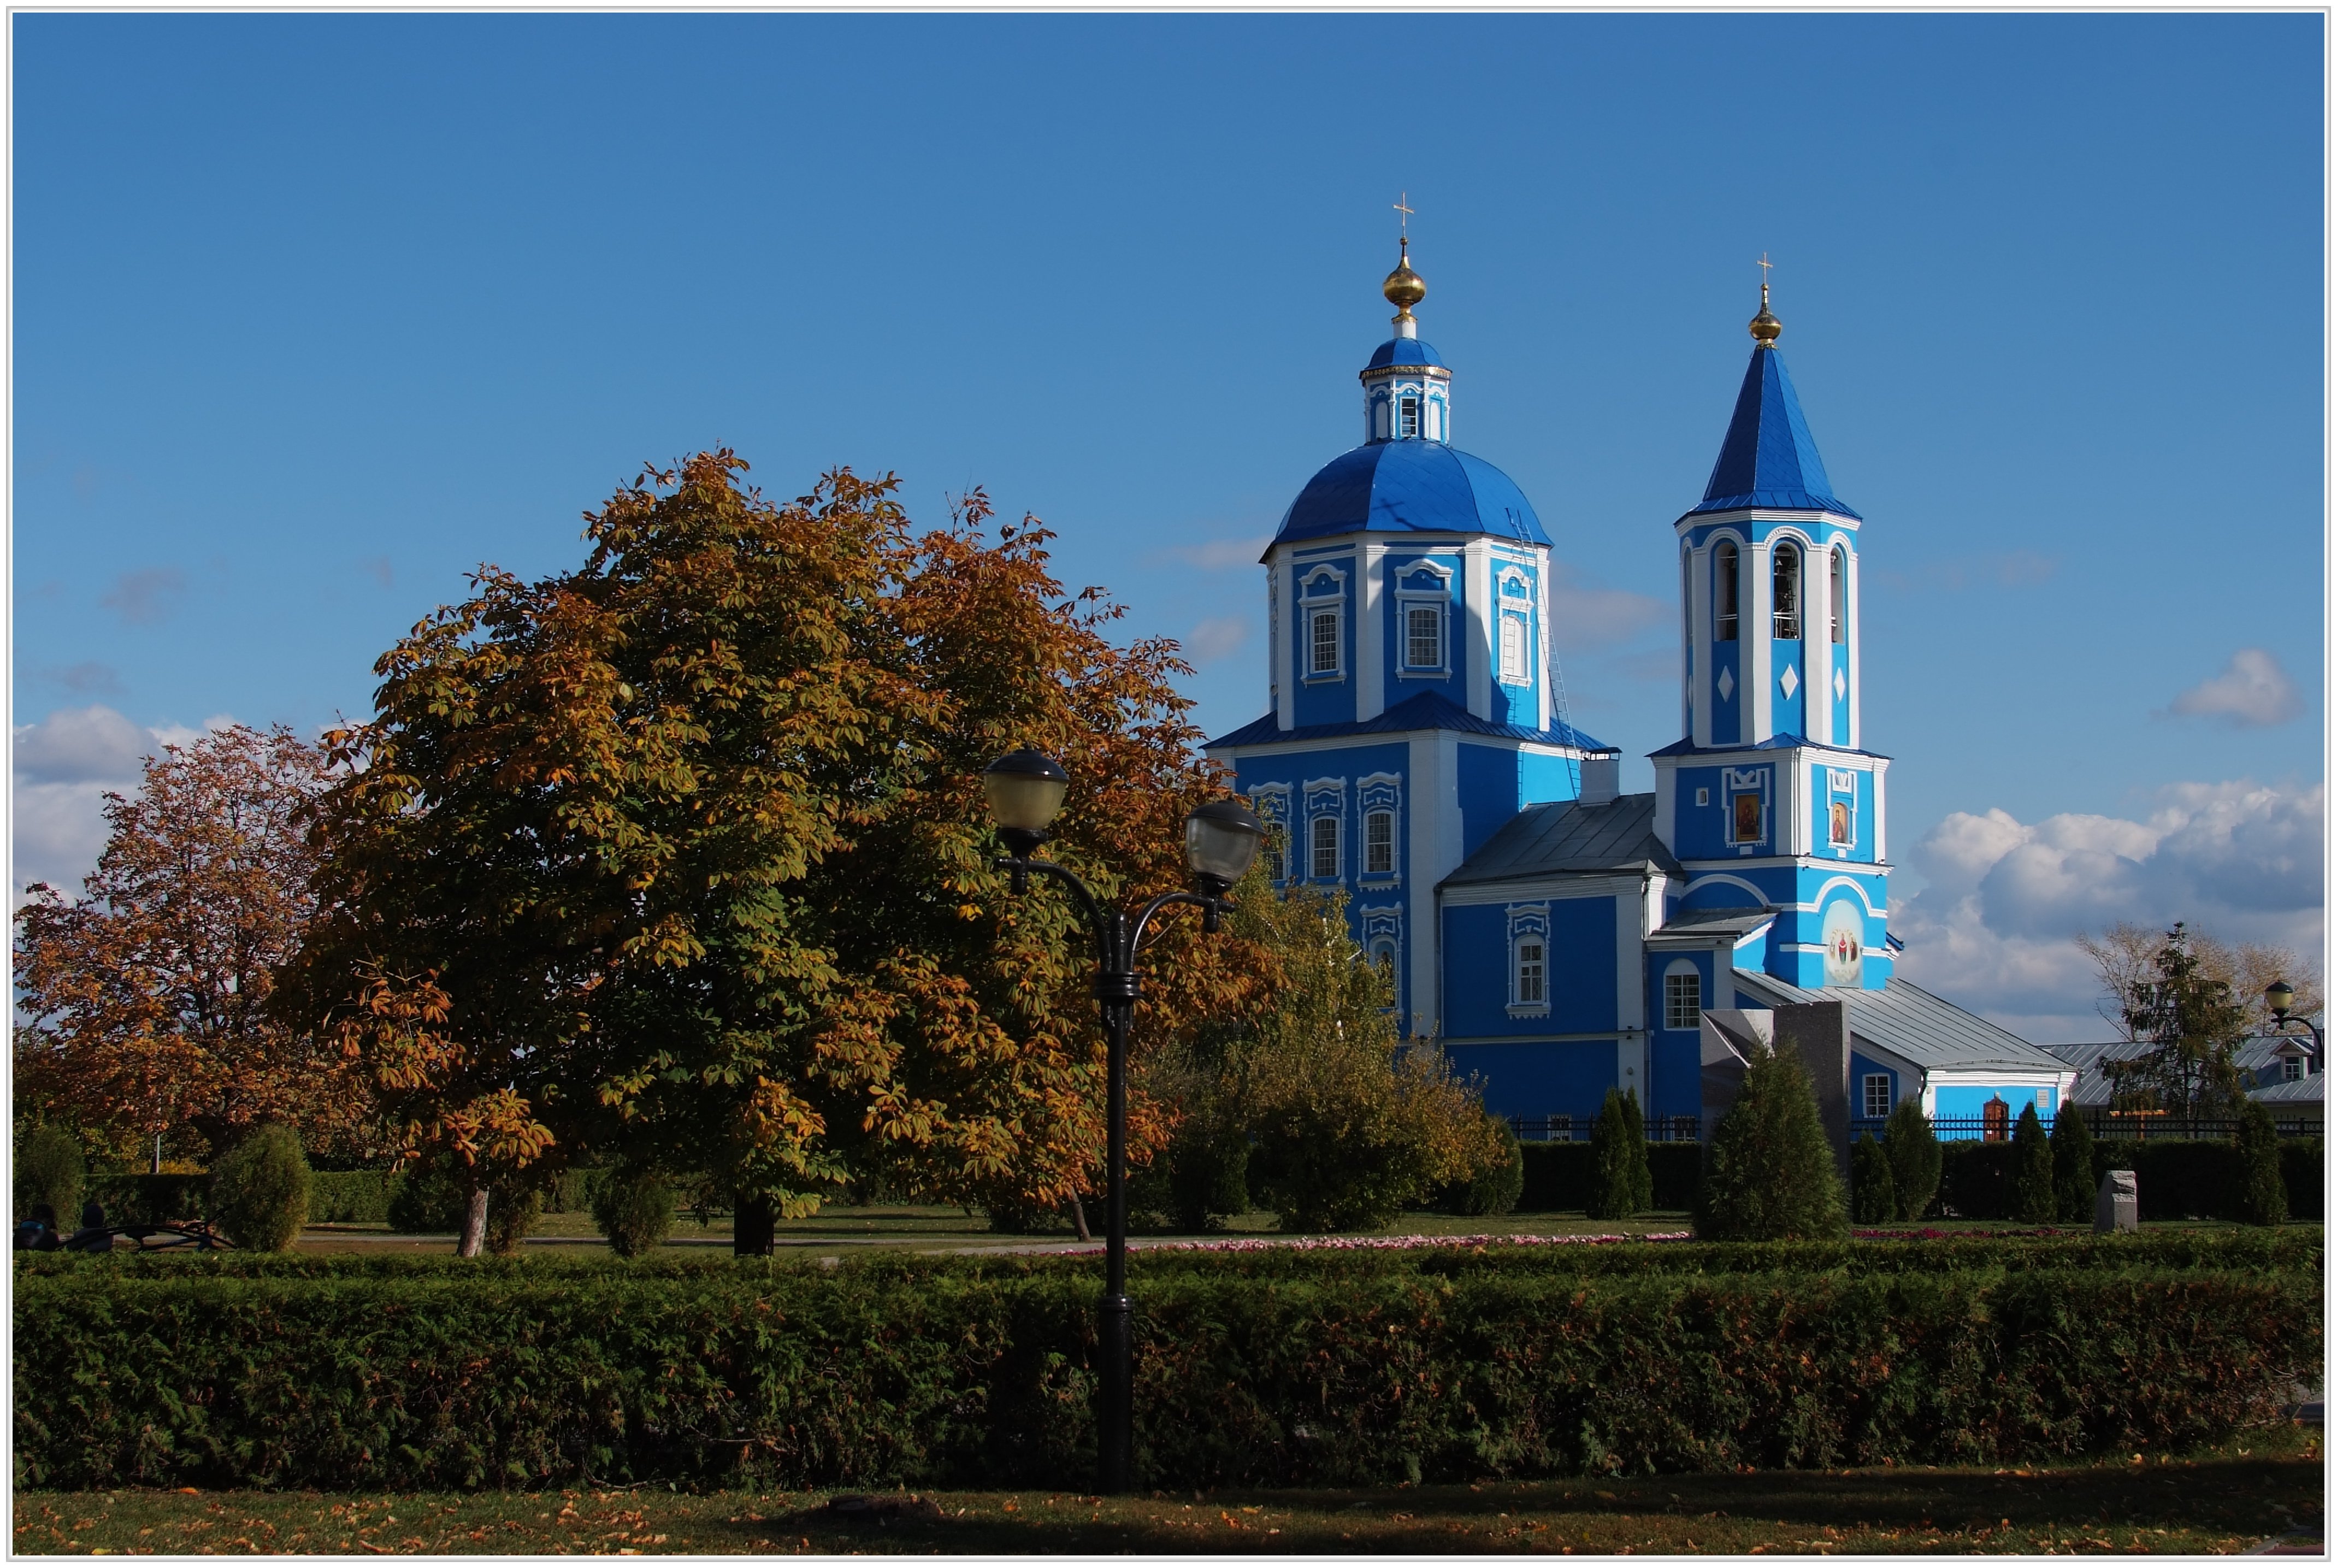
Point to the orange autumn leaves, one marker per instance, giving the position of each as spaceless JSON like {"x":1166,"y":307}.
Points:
{"x":680,"y":855}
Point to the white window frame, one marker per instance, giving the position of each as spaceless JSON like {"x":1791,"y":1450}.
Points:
{"x":1409,"y":597}
{"x":1415,"y":612}
{"x":1736,"y":784}
{"x":1786,"y":564}
{"x":1727,"y":589}
{"x":1529,"y":928}
{"x":1517,"y":656}
{"x":1872,"y":1086}
{"x":1408,"y":406}
{"x":1379,"y":842}
{"x":1841,"y":788}
{"x":1316,"y":847}
{"x":1323,"y":591}
{"x":1678,"y":1015}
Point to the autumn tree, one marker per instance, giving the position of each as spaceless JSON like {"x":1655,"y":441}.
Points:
{"x":2126,"y":958}
{"x":146,"y":1000}
{"x":682,"y":854}
{"x":2183,"y":1007}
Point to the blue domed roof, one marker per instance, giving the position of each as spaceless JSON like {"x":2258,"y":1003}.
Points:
{"x":1405,"y":351}
{"x":1410,"y":488}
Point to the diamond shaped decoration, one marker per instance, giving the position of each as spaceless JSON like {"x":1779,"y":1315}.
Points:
{"x":1790,"y":681}
{"x":1841,"y":686}
{"x":1727,"y":684}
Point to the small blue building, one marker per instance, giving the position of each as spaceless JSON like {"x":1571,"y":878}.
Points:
{"x":1562,"y":937}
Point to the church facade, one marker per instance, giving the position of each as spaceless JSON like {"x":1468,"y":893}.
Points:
{"x":1560,"y":938}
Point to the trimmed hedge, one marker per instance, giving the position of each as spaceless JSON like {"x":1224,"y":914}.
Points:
{"x":335,"y":1197}
{"x":275,"y":1374}
{"x":1562,"y":1178}
{"x":2178,"y":1178}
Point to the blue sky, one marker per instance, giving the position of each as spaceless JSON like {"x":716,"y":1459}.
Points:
{"x":314,"y":313}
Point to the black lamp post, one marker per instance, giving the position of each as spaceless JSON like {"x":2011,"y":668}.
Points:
{"x":1026,"y":790}
{"x":2280,"y":996}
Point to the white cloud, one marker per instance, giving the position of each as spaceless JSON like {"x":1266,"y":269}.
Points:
{"x":1214,"y":639}
{"x":2253,"y":689}
{"x":1217,"y":554}
{"x":1993,"y":930}
{"x":63,"y":768}
{"x":1583,"y":614}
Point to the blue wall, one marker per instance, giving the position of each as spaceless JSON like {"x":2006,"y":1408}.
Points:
{"x":1581,"y":975}
{"x":1568,"y":1078}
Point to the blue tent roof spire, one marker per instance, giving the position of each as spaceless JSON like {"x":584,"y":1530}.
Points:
{"x":1768,"y":459}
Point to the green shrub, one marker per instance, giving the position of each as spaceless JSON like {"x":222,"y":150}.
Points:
{"x":1491,"y":1191}
{"x":1872,"y":1199}
{"x":2034,"y":1199}
{"x":1620,"y":1185}
{"x":348,"y":1197}
{"x":1558,"y":1178}
{"x":634,"y":1210}
{"x":1332,"y":1368}
{"x":425,"y":1199}
{"x":2264,"y":1195}
{"x":1769,"y":1172}
{"x":260,"y":1189}
{"x":49,"y":1169}
{"x":2301,"y":1170}
{"x":139,"y":1199}
{"x":2074,"y":1186}
{"x":1202,"y":1178}
{"x":513,"y":1211}
{"x":1914,"y":1155}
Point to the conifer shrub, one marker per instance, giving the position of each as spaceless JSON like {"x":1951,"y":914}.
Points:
{"x":260,"y":1189}
{"x":49,"y":1169}
{"x":634,"y":1210}
{"x":1620,"y":1185}
{"x":1769,"y":1172}
{"x":2034,"y":1200}
{"x":2264,"y":1195}
{"x":2301,"y":1162}
{"x":2073,"y":1183}
{"x":513,"y":1211}
{"x":1914,"y":1155}
{"x":1872,"y":1199}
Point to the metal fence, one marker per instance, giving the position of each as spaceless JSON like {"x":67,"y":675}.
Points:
{"x":1946,"y":1128}
{"x":1576,"y":1128}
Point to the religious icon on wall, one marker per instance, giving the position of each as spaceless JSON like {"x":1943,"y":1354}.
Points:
{"x":1838,"y":822}
{"x":1748,"y":818}
{"x":1845,"y":937}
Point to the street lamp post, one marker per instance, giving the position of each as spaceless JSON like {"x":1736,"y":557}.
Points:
{"x":1222,"y":839}
{"x":2280,"y":996}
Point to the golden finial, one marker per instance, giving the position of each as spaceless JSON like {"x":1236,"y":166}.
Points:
{"x":1403,"y":287}
{"x":1764,"y":326}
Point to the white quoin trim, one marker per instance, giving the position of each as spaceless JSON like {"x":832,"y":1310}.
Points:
{"x":1282,"y":590}
{"x":1542,"y":641}
{"x":1699,"y":644}
{"x":1753,"y":625}
{"x":1850,"y":708}
{"x":1477,"y":593}
{"x":1817,"y":643}
{"x":1371,"y":661}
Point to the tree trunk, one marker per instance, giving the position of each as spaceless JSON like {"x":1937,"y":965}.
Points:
{"x":753,"y":1229}
{"x":475,"y":1225}
{"x":1079,"y":1219}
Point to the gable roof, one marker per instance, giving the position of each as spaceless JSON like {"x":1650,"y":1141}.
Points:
{"x":1911,"y":1023}
{"x":1567,"y":836}
{"x":2255,"y":1054}
{"x":1768,"y":459}
{"x":1429,"y":710}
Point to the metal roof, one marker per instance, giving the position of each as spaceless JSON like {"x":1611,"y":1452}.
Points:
{"x":1911,"y":1023}
{"x":1411,"y":485}
{"x":1399,"y":351}
{"x":1429,"y":710}
{"x":1737,"y":923}
{"x":1768,"y":459}
{"x":2257,"y":1053}
{"x":1566,"y":836}
{"x":2306,"y":1090}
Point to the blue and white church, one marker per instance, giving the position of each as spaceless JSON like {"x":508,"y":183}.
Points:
{"x":1560,"y":938}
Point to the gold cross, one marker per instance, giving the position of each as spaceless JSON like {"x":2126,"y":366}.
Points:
{"x":1763,"y":264}
{"x":1401,"y":197}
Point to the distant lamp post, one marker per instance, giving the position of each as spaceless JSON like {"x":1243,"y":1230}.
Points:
{"x":1222,"y":839}
{"x":2280,"y":996}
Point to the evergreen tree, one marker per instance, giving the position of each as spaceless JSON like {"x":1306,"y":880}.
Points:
{"x":49,"y":1169}
{"x":2073,"y":1166}
{"x":1769,"y":1172}
{"x":1620,"y":1182}
{"x":1873,"y":1200}
{"x":2187,"y":1014}
{"x":2264,"y":1195}
{"x":259,"y":1190}
{"x":2034,"y":1200}
{"x":1914,"y":1156}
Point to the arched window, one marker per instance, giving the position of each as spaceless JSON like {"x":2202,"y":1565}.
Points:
{"x":1326,"y":847}
{"x":1724,"y":592}
{"x":1411,"y":418}
{"x":1786,"y":600}
{"x":1841,"y":596}
{"x":1379,"y":843}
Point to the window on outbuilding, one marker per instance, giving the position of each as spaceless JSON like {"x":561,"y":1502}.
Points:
{"x":1683,"y":1000}
{"x":1785,"y":594}
{"x":1724,"y":592}
{"x":1326,"y":847}
{"x":1878,"y":1096}
{"x":1530,"y":965}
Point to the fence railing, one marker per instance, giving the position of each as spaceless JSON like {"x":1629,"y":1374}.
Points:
{"x":1576,"y":1128}
{"x":1946,"y":1128}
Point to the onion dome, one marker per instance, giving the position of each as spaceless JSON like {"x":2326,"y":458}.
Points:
{"x":1404,"y":287}
{"x":1764,"y":326}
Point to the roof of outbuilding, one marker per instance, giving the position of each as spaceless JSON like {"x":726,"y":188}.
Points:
{"x":2257,"y":1053}
{"x":2306,"y":1090}
{"x":1911,"y":1022}
{"x":1566,"y":836}
{"x":1768,"y":459}
{"x":1739,"y":923}
{"x":1410,"y":487}
{"x":1429,"y":710}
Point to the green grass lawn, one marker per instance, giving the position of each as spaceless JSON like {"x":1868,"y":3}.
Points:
{"x":2220,"y":1501}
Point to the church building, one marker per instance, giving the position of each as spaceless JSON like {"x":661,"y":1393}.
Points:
{"x":1560,"y":938}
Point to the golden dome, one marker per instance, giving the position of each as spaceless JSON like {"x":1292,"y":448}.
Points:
{"x":1403,"y":287}
{"x":1764,"y":326}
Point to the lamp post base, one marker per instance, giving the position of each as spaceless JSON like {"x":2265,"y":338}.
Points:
{"x":1115,"y":1395}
